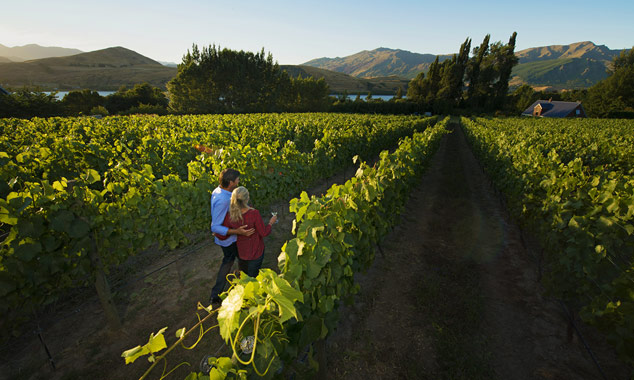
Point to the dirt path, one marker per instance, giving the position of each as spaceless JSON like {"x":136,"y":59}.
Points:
{"x":457,"y":295}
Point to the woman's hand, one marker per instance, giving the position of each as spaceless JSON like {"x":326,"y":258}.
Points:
{"x":273,"y":220}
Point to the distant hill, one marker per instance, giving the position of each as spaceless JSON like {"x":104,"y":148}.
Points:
{"x":106,"y":69}
{"x":578,"y":65}
{"x":560,"y":73}
{"x":381,"y":71}
{"x":111,"y":68}
{"x":381,"y":62}
{"x":33,"y":51}
{"x":586,"y":50}
{"x":340,"y":82}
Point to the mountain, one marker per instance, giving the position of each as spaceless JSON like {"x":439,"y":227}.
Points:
{"x":381,"y":62}
{"x":168,"y":64}
{"x":340,"y":82}
{"x":106,"y":69}
{"x":586,"y":50}
{"x":561,"y":73}
{"x":33,"y":51}
{"x":578,"y":65}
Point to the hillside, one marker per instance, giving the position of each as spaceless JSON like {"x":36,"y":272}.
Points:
{"x":577,"y":65}
{"x":340,"y":82}
{"x":560,"y":73}
{"x":106,"y":69}
{"x":33,"y":51}
{"x":382,"y":62}
{"x":584,"y":50}
{"x":111,"y":68}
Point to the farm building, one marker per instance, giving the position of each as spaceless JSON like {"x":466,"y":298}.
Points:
{"x":550,"y":108}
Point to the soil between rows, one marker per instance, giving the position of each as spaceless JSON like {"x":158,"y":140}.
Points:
{"x":457,"y":256}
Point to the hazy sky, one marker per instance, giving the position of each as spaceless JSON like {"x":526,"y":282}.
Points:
{"x":296,"y":31}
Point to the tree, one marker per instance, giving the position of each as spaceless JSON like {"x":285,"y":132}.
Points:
{"x":308,"y":94}
{"x":25,"y":103}
{"x":125,"y":99}
{"x":523,"y":97}
{"x":488,"y":73}
{"x":474,"y":70}
{"x":82,"y":102}
{"x":416,"y":89}
{"x":399,"y":93}
{"x":453,"y":74}
{"x":614,"y":94}
{"x":215,"y":80}
{"x":505,"y":60}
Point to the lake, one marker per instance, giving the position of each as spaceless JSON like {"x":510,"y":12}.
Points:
{"x":61,"y":94}
{"x":354,"y":96}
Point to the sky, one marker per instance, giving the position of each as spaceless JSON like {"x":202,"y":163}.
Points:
{"x":295,"y":32}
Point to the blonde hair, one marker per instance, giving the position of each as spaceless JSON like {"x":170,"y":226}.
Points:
{"x":239,"y":200}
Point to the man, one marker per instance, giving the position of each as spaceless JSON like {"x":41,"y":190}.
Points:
{"x":225,"y":237}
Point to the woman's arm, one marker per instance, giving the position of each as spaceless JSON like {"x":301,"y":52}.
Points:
{"x":262,"y":229}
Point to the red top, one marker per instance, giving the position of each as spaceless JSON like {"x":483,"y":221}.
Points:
{"x":250,"y":247}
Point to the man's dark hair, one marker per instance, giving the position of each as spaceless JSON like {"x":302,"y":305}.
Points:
{"x":228,"y":175}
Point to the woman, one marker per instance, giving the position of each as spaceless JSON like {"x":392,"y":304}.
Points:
{"x":250,"y":248}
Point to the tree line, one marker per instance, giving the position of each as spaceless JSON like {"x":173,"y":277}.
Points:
{"x":612,"y":97}
{"x":478,"y":82}
{"x":26,"y":103}
{"x":215,"y":80}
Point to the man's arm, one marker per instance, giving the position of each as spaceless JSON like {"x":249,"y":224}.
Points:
{"x":218,"y":213}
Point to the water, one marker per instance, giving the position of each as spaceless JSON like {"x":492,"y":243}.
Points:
{"x":354,"y":96}
{"x":61,"y":94}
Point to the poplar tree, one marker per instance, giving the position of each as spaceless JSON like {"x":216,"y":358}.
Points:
{"x":474,"y":71}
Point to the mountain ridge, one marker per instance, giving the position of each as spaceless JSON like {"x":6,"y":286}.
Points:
{"x":576,"y":65}
{"x":589,"y":65}
{"x":35,"y":51}
{"x":105,"y":69}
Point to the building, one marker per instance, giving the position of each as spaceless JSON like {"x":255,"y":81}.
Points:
{"x":550,"y":108}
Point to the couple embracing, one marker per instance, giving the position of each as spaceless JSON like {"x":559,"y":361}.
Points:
{"x":238,"y":230}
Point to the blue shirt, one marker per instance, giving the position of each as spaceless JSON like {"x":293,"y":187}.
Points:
{"x":220,"y":200}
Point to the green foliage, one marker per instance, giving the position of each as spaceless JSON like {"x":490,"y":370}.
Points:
{"x":335,"y":238}
{"x":82,"y":102}
{"x":487,"y":74}
{"x":138,"y":97}
{"x":306,"y":94}
{"x":155,"y":344}
{"x":25,"y":103}
{"x":228,"y":81}
{"x":377,"y":106}
{"x":99,"y":110}
{"x":571,"y":182}
{"x":615,"y":93}
{"x":72,"y":187}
